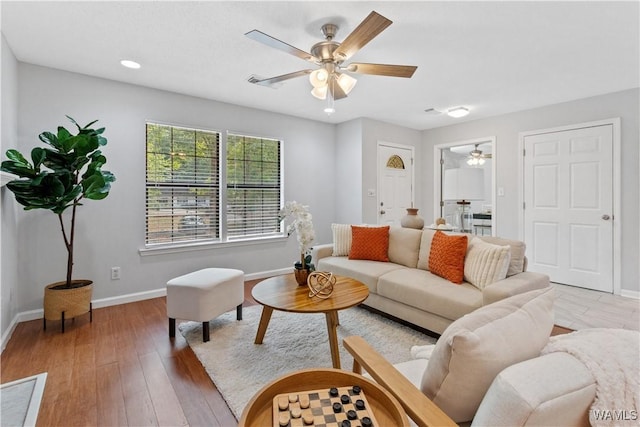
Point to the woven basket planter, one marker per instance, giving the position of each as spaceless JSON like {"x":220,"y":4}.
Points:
{"x":72,"y":301}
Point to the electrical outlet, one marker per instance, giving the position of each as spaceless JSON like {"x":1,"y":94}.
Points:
{"x":501,"y":191}
{"x":115,"y":273}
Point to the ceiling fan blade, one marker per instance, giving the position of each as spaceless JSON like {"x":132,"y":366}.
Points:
{"x":336,"y":91}
{"x":273,"y":80}
{"x":372,"y":25}
{"x":382,"y":69}
{"x":261,"y":37}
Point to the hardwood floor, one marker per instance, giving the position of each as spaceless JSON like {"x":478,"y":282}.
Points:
{"x":120,"y":370}
{"x":123,"y":369}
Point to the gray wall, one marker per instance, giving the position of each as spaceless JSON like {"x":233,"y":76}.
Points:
{"x":8,"y":223}
{"x":348,"y":171}
{"x":110,"y":232}
{"x":506,"y":129}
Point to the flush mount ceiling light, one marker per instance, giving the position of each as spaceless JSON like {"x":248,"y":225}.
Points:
{"x":458,"y":112}
{"x":331,"y":81}
{"x":130,"y":64}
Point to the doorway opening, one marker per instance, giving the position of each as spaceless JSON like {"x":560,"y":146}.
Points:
{"x":464,"y":185}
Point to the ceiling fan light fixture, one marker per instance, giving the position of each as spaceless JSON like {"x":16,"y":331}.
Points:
{"x":319,"y":77}
{"x":320,"y":92}
{"x":475,"y":161}
{"x":458,"y":112}
{"x":346,"y":82}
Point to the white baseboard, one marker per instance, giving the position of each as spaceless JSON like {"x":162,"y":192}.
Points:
{"x":270,"y":273}
{"x":629,"y":294}
{"x":124,"y":299}
{"x":26,"y":316}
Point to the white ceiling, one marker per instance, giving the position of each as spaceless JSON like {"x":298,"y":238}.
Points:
{"x":492,"y":57}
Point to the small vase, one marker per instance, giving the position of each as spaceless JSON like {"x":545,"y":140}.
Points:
{"x":412,"y":219}
{"x":301,"y":275}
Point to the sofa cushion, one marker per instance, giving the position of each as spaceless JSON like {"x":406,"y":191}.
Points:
{"x":370,"y":243}
{"x":485,"y":263}
{"x":404,"y":244}
{"x":446,"y":258}
{"x":364,"y":271}
{"x":475,"y":348}
{"x":425,"y":248}
{"x":428,"y":292}
{"x":517,"y":263}
{"x":341,"y":239}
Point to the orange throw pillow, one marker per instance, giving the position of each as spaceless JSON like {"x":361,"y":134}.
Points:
{"x":371,"y":243}
{"x":446,"y":258}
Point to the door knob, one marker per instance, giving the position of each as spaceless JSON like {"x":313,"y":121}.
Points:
{"x":606,"y":217}
{"x":382,"y":212}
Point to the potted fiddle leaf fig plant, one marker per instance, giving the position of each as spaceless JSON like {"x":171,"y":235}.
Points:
{"x":58,"y":178}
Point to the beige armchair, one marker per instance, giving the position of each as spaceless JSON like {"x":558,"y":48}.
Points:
{"x":449,"y":388}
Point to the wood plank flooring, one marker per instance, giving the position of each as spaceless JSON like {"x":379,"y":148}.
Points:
{"x":120,"y":370}
{"x":124,"y":370}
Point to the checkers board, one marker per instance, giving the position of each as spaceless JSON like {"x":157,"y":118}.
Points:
{"x":316,"y":408}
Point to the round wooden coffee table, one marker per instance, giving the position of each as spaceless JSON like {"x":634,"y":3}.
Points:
{"x":385,"y":408}
{"x":284,"y":294}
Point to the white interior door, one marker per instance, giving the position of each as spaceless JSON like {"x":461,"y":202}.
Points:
{"x":568,"y":212}
{"x":395,"y":183}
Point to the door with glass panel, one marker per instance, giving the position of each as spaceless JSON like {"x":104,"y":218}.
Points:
{"x":395,"y":186}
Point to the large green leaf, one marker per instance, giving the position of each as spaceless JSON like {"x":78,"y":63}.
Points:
{"x":17,"y":169}
{"x":17,"y":157}
{"x":50,"y":139}
{"x":37,"y":156}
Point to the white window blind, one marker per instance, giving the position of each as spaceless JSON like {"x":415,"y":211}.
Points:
{"x":182,"y":185}
{"x":253,"y":186}
{"x":184,"y":201}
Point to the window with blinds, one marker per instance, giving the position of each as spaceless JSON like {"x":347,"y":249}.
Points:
{"x":184,"y":201}
{"x":182,"y":185}
{"x":253,"y":186}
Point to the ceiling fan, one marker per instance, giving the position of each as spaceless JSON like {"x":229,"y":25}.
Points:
{"x":332,"y":76}
{"x":476,"y":157}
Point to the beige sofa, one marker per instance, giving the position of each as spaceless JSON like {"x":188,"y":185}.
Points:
{"x":404,"y":287}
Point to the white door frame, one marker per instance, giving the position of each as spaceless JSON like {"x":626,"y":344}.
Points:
{"x":437,"y":178}
{"x":617,"y":211}
{"x":379,"y":172}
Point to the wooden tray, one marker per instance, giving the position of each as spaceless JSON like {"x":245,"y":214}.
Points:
{"x":386,"y":409}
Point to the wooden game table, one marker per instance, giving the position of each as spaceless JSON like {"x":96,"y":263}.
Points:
{"x":259,"y":410}
{"x":284,"y":294}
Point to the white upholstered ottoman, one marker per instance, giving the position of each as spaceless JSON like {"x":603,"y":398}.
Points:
{"x":204,"y":295}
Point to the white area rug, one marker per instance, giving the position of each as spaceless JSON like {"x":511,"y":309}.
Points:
{"x":293,"y":341}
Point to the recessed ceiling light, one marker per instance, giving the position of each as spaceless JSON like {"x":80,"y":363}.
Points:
{"x":130,"y":64}
{"x":458,"y":112}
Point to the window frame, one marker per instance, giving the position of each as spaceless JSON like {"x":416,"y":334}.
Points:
{"x":223,"y":239}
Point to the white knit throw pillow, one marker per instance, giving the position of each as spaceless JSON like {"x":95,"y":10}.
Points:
{"x":341,"y":239}
{"x":485,"y":263}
